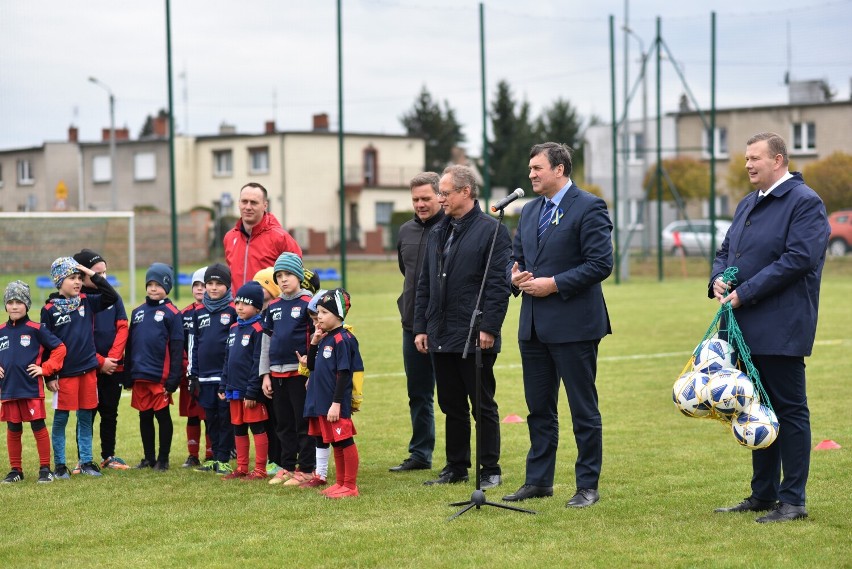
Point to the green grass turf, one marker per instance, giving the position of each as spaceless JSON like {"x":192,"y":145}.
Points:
{"x":663,"y":473}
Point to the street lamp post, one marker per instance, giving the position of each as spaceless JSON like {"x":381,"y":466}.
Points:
{"x":111,"y":140}
{"x":643,"y":60}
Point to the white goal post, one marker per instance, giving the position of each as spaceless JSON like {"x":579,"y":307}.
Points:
{"x":30,"y":241}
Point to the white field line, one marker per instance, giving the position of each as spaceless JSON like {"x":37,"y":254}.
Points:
{"x":633,"y":357}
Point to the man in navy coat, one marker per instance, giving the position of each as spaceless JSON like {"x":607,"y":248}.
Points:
{"x":561,"y":254}
{"x":777,"y":241}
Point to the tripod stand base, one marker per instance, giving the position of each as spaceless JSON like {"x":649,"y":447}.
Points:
{"x":477,"y":500}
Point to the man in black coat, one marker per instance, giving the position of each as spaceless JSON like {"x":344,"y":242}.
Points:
{"x":411,"y":248}
{"x":447,"y":290}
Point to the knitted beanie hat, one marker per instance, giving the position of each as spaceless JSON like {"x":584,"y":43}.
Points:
{"x":61,"y":268}
{"x":291,"y":263}
{"x":161,"y":274}
{"x":218,"y":272}
{"x":251,"y":293}
{"x":311,"y":282}
{"x":88,"y":258}
{"x":18,"y":290}
{"x":198,"y":276}
{"x":336,"y":301}
{"x":267,"y":281}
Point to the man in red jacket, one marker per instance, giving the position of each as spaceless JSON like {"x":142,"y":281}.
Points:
{"x":257,"y":239}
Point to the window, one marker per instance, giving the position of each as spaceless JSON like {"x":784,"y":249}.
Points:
{"x":636,"y":149}
{"x":804,"y":137}
{"x":144,"y":166}
{"x":25,"y":173}
{"x":1,"y":175}
{"x":384,"y":210}
{"x":223,"y":163}
{"x":371,"y":167}
{"x":720,"y":142}
{"x":101,"y":169}
{"x":259,"y":160}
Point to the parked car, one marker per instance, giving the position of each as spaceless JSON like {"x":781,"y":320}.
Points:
{"x":694,"y":236}
{"x":840,"y":240}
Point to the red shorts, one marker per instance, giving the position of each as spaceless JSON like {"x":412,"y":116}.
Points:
{"x":187,"y":404}
{"x":78,"y":392}
{"x":22,"y":410}
{"x":241,"y":414}
{"x":335,"y":432}
{"x":149,"y":396}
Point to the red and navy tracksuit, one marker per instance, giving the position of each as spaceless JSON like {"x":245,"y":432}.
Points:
{"x":154,"y":357}
{"x":23,"y":343}
{"x":188,"y":402}
{"x":332,"y":363}
{"x":208,"y":346}
{"x":76,"y":330}
{"x":290,"y":328}
{"x":241,"y":382}
{"x":110,"y":340}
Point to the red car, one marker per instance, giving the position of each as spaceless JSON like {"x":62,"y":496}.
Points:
{"x":840,"y":240}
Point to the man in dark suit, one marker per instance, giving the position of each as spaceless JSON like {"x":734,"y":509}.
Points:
{"x":561,"y":254}
{"x":777,"y":241}
{"x":447,"y":289}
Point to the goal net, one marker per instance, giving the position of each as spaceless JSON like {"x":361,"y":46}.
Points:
{"x":31,"y":241}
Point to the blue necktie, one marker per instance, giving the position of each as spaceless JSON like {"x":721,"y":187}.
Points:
{"x":546,"y":214}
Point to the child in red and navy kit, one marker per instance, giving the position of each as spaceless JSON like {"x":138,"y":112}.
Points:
{"x":154,"y":355}
{"x":22,"y":347}
{"x":188,"y":399}
{"x":110,"y":339}
{"x":70,"y":315}
{"x":271,"y":291}
{"x":290,"y":326}
{"x":334,"y":356}
{"x":208,"y":346}
{"x":240,"y":384}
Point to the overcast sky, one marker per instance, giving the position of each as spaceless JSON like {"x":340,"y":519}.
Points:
{"x":251,"y":61}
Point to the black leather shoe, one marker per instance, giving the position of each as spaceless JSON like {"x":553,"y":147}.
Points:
{"x":784,"y":513}
{"x":749,"y":505}
{"x":410,"y":464}
{"x":447,"y":477}
{"x":487,"y":481}
{"x":528,"y":491}
{"x":584,"y":498}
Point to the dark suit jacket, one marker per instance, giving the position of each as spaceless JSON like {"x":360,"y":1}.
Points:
{"x":779,"y":248}
{"x":578,"y":252}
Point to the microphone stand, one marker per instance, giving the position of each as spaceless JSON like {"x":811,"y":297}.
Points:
{"x":477,"y":499}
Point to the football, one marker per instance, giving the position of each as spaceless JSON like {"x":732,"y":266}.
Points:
{"x":756,"y":427}
{"x":730,"y":391}
{"x":689,"y":394}
{"x":713,"y":355}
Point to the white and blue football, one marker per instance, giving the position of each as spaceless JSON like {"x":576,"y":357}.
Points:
{"x":713,"y":355}
{"x":730,"y":391}
{"x":756,"y":427}
{"x":689,"y":394}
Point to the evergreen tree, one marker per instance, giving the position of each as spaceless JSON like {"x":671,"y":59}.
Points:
{"x":513,"y":135}
{"x":438,"y":126}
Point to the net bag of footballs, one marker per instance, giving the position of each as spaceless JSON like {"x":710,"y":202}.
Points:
{"x":720,"y":382}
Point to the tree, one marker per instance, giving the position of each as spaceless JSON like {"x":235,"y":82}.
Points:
{"x":561,"y":123}
{"x":831,"y":178}
{"x":513,"y":136}
{"x":439,"y":127}
{"x":690,"y":177}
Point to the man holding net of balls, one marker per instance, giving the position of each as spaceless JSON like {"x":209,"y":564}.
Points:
{"x":777,"y":241}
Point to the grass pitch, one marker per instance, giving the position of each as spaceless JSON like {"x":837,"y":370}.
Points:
{"x":662,"y":476}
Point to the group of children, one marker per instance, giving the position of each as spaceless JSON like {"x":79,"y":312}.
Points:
{"x":276,"y":353}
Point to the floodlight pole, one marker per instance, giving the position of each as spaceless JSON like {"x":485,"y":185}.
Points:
{"x":112,"y":173}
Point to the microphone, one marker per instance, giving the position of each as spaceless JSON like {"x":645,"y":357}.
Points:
{"x":518,"y":193}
